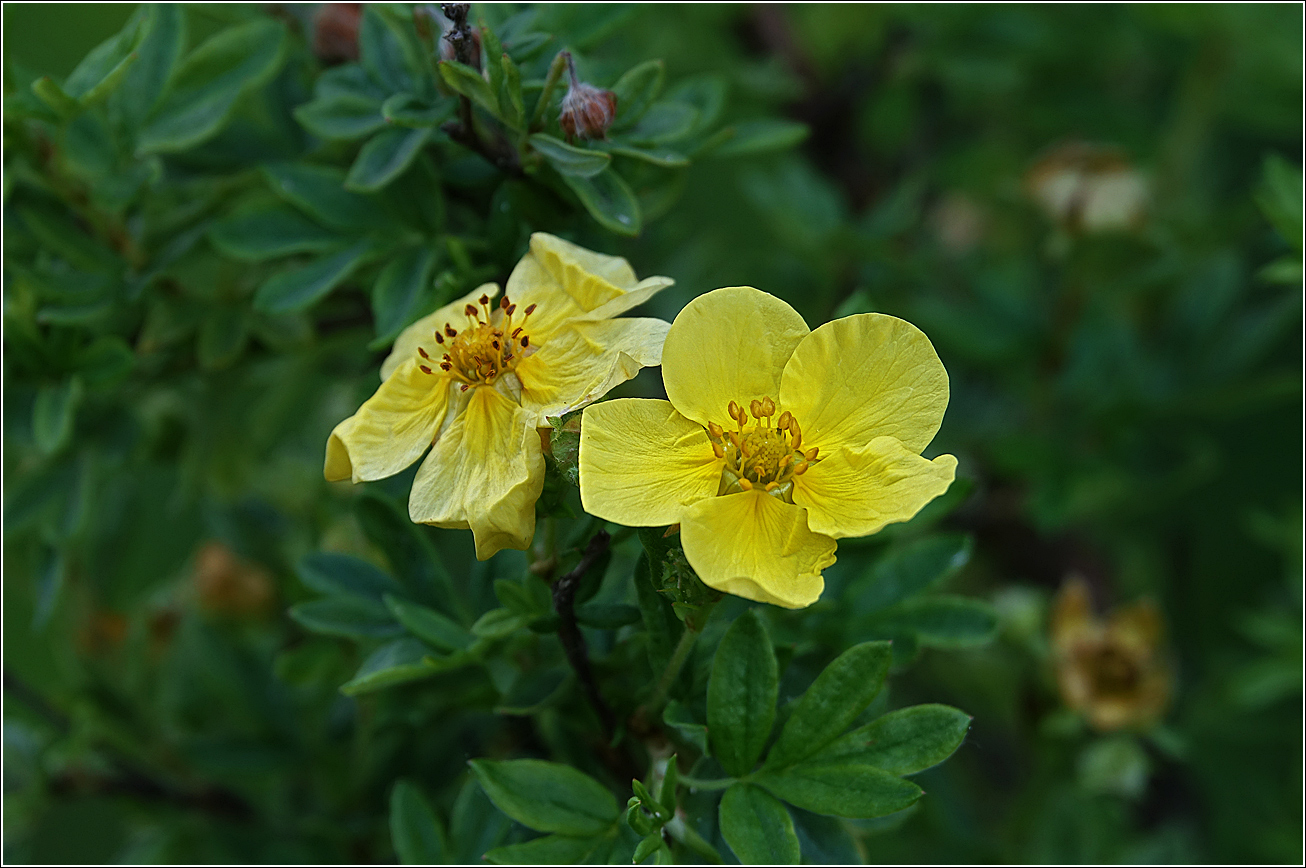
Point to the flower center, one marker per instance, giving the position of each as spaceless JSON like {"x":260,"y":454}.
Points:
{"x":761,"y":453}
{"x":489,"y":345}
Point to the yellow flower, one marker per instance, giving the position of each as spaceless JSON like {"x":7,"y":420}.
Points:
{"x":1111,"y":671}
{"x":477,"y":378}
{"x":839,"y":417}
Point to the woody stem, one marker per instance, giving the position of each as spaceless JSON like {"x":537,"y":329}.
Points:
{"x":573,"y":643}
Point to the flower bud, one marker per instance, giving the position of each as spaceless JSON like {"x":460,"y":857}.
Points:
{"x":587,"y":111}
{"x":335,"y":31}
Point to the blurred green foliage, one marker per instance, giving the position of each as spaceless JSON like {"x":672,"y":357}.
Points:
{"x":212,"y":235}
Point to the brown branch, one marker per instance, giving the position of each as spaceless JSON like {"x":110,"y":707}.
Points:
{"x":573,"y":643}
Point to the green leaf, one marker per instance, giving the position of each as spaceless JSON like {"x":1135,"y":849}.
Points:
{"x":840,"y":693}
{"x":762,"y":137}
{"x":351,"y":617}
{"x":549,"y":850}
{"x":319,"y":191}
{"x":429,"y":625}
{"x":609,"y":200}
{"x":841,"y":790}
{"x":415,"y":831}
{"x":396,"y":662}
{"x":344,"y":116}
{"x":462,"y":79}
{"x":497,"y":623}
{"x":104,"y":68}
{"x":53,"y":95}
{"x":943,"y":621}
{"x":209,"y":83}
{"x":648,"y":846}
{"x":401,"y":290}
{"x":662,"y":628}
{"x":532,"y":691}
{"x":569,"y":159}
{"x":390,"y":53}
{"x":511,"y":106}
{"x":54,"y":414}
{"x":636,"y":90}
{"x":1280,"y":198}
{"x":413,"y":560}
{"x":678,"y":718}
{"x":343,"y":575}
{"x":222,"y":337}
{"x":757,"y":827}
{"x":157,"y":57}
{"x":474,"y":824}
{"x":548,"y":797}
{"x":741,"y":694}
{"x":607,"y":616}
{"x":270,"y":231}
{"x":664,"y":122}
{"x":297,"y":289}
{"x":405,"y":110}
{"x":901,"y":742}
{"x":385,"y":157}
{"x":491,"y":51}
{"x":664,"y":157}
{"x":65,"y":238}
{"x":908,"y":571}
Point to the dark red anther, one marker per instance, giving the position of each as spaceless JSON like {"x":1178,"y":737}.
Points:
{"x":525,"y":340}
{"x":421,"y":352}
{"x":425,"y":369}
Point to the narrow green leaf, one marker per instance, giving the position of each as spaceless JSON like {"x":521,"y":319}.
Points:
{"x":678,"y":718}
{"x":157,"y":57}
{"x":1280,"y":198}
{"x":468,"y":82}
{"x":210,"y":81}
{"x":664,"y":157}
{"x":429,"y":625}
{"x":636,"y":90}
{"x":401,"y":290}
{"x":901,"y":742}
{"x":549,"y":850}
{"x":840,"y":693}
{"x":474,"y":824}
{"x":396,"y":662}
{"x":662,"y":628}
{"x":916,"y":567}
{"x":569,"y":159}
{"x":757,"y":827}
{"x":385,"y":157}
{"x":390,"y":52}
{"x":841,"y":790}
{"x":65,"y":238}
{"x":406,"y":110}
{"x":297,"y":289}
{"x":270,"y":231}
{"x":762,"y":137}
{"x":609,"y":200}
{"x":351,"y":617}
{"x":343,"y":575}
{"x":106,"y":64}
{"x":511,"y":105}
{"x":319,"y":191}
{"x":343,"y":116}
{"x":533,"y":691}
{"x":53,"y":95}
{"x":664,"y":122}
{"x":741,"y":694}
{"x":944,"y":621}
{"x":497,"y":623}
{"x":413,"y":560}
{"x":548,"y":797}
{"x":491,"y":51}
{"x":54,"y":414}
{"x":415,"y":831}
{"x":648,"y":846}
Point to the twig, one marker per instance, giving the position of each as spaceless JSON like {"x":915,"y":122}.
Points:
{"x":573,"y":643}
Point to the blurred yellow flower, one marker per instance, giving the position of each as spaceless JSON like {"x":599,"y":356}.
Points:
{"x":478,"y":378}
{"x":1112,"y":670}
{"x":776,"y":442}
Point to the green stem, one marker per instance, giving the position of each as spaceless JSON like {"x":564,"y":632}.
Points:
{"x":550,"y":82}
{"x":699,"y":784}
{"x":674,"y":665}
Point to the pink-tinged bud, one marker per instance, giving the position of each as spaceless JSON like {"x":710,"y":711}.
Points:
{"x":587,"y":111}
{"x":335,"y":31}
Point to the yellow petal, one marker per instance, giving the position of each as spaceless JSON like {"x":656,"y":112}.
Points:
{"x":862,"y":377}
{"x":485,"y":472}
{"x":392,"y":429}
{"x":857,"y":492}
{"x":640,"y":293}
{"x":531,"y":284}
{"x":728,"y":345}
{"x":582,"y":361}
{"x":642,"y":463}
{"x":755,"y":546}
{"x":588,"y":277}
{"x":422,"y":332}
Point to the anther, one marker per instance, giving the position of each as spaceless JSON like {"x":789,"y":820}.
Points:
{"x":714,"y":430}
{"x":718,"y":450}
{"x":745,"y":484}
{"x":470,"y":310}
{"x":785,"y":419}
{"x":772,"y":485}
{"x":530,"y":310}
{"x":516,"y":331}
{"x":463,"y":387}
{"x":755,"y":407}
{"x":503,"y":303}
{"x":450,"y":331}
{"x":800,"y":469}
{"x":484,"y":299}
{"x":768,"y":407}
{"x":445,"y":366}
{"x":421,"y":352}
{"x":512,"y":309}
{"x":812,"y":453}
{"x":525,"y":340}
{"x":733,"y":410}
{"x":439,"y":338}
{"x":425,"y":369}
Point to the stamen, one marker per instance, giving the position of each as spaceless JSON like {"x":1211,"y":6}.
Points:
{"x":755,"y":407}
{"x":439,"y":338}
{"x":421,"y":352}
{"x":484,"y":299}
{"x":772,"y":485}
{"x":525,"y":340}
{"x":450,"y":331}
{"x":800,"y":469}
{"x":445,"y":366}
{"x":768,"y":407}
{"x":812,"y":453}
{"x":745,"y":484}
{"x":714,"y":431}
{"x":503,"y":303}
{"x":470,"y":310}
{"x":530,"y":310}
{"x":733,"y":410}
{"x":785,"y":419}
{"x":718,"y":450}
{"x":425,"y":370}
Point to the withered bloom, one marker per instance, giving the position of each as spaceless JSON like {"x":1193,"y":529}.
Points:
{"x":1089,"y":188}
{"x":587,"y":111}
{"x":335,"y":31}
{"x":226,"y":584}
{"x":1109,"y":670}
